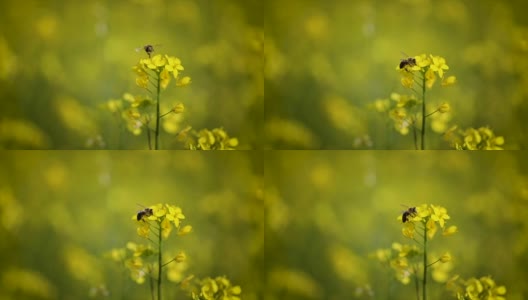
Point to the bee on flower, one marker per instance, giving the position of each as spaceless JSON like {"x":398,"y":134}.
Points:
{"x":429,"y":216}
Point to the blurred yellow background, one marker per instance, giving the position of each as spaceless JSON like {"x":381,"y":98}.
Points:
{"x":328,"y":61}
{"x":60,"y":61}
{"x":62,"y":212}
{"x":327,"y":211}
{"x":282,"y":224}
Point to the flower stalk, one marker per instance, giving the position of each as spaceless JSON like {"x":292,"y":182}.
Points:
{"x":424,"y":116}
{"x":158,"y":92}
{"x":424,"y":280}
{"x":159,"y":261}
{"x":157,"y":70}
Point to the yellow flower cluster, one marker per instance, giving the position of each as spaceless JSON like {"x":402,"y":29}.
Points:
{"x":132,"y":258}
{"x":205,"y":139}
{"x":476,"y":288}
{"x":429,"y":66}
{"x":165,"y":216}
{"x":164,"y":67}
{"x":482,"y":138}
{"x":218,"y":288}
{"x":430,"y":216}
{"x":397,"y":258}
{"x":400,"y":107}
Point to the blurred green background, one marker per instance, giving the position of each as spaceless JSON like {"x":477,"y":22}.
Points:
{"x":61,"y":212}
{"x":326,"y":211}
{"x":61,"y":60}
{"x":326,"y":61}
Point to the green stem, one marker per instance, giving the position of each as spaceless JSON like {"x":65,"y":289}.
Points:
{"x":156,"y":142}
{"x":424,"y":280}
{"x":159,"y":263}
{"x":151,"y":284}
{"x":416,"y":283}
{"x":423,"y":112}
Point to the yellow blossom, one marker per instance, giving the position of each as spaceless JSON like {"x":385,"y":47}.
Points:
{"x":451,"y":80}
{"x":143,"y":230}
{"x":450,"y":230}
{"x":422,"y":61}
{"x":439,"y":65}
{"x":446,"y":257}
{"x":444,"y":107}
{"x":166,"y":228}
{"x":408,"y":229}
{"x":185,"y":230}
{"x":178,"y":108}
{"x":431,"y":228}
{"x":430,"y":78}
{"x":185,"y":81}
{"x":164,"y":78}
{"x":407,"y":80}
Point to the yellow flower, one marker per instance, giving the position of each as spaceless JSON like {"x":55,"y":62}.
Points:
{"x":185,"y":230}
{"x":178,"y":108}
{"x":117,"y":254}
{"x":185,"y":81}
{"x":431,"y":228}
{"x":114,"y":105}
{"x":382,"y":255}
{"x":446,"y":257}
{"x":158,"y":61}
{"x":483,"y":287}
{"x":164,"y":78}
{"x":180,"y":257}
{"x":450,"y":230}
{"x":381,"y":105}
{"x":439,"y":215}
{"x":159,"y":211}
{"x":173,"y":65}
{"x":408,"y":229}
{"x":147,"y":63}
{"x":407,"y":80}
{"x":451,"y":80}
{"x":139,"y":69}
{"x":144,"y":230}
{"x":430,"y":78}
{"x":422,"y":61}
{"x":444,"y":107}
{"x":439,"y":65}
{"x":175,"y":215}
{"x":481,"y":139}
{"x":166,"y":228}
{"x":401,"y":121}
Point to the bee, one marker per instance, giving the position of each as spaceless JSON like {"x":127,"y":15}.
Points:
{"x":409,"y":213}
{"x":147,"y":48}
{"x":146,"y":212}
{"x":410,"y":61}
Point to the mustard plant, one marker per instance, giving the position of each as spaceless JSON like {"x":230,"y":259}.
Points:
{"x":155,"y":224}
{"x":144,"y":113}
{"x":413,"y":262}
{"x":213,"y":289}
{"x":154,"y":75}
{"x":156,"y":72}
{"x":419,"y":74}
{"x":410,"y":112}
{"x":147,"y":261}
{"x":423,"y":222}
